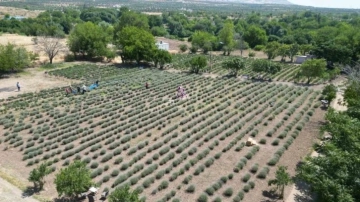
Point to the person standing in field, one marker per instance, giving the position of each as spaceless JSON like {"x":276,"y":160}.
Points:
{"x":18,"y":86}
{"x":146,"y":85}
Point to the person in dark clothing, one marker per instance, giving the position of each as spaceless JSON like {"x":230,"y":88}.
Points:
{"x":18,"y":86}
{"x":146,"y":85}
{"x":78,"y":89}
{"x":97,"y":83}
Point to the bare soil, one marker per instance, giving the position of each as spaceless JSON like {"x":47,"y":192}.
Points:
{"x":173,"y":44}
{"x":26,"y":42}
{"x":31,"y":80}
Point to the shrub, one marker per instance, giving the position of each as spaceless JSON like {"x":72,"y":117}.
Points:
{"x":210,"y":191}
{"x":228,"y":192}
{"x":249,"y":155}
{"x":262,"y":174}
{"x":236,"y":199}
{"x":273,"y":161}
{"x":241,"y":195}
{"x":254,"y":168}
{"x":246,"y":188}
{"x":275,"y":142}
{"x":246,"y":177}
{"x":217,"y":199}
{"x":163,"y":185}
{"x":115,"y":173}
{"x":263,"y":141}
{"x":190,"y":189}
{"x":105,"y":178}
{"x":252,"y":184}
{"x":259,"y":47}
{"x":202,"y":198}
{"x":224,"y":179}
{"x":216,"y":186}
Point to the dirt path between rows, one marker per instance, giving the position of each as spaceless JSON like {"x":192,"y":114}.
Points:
{"x":300,"y":191}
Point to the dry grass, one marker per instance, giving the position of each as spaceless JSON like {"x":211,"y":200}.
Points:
{"x":19,"y":12}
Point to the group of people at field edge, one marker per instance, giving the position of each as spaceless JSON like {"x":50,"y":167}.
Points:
{"x":81,"y":90}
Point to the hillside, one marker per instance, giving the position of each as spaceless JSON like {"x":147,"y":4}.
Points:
{"x":248,"y":1}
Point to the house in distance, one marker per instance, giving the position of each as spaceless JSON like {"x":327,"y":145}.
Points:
{"x":162,"y":45}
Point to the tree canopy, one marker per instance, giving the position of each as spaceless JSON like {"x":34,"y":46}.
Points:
{"x":312,"y":69}
{"x":203,"y":40}
{"x":234,"y":65}
{"x":334,"y":175}
{"x":38,"y":174}
{"x":132,"y":19}
{"x":89,"y":40}
{"x":73,"y":180}
{"x":124,"y":195}
{"x":282,"y":179}
{"x":198,"y":63}
{"x":226,"y":37}
{"x":136,"y":44}
{"x":265,"y":66}
{"x":255,"y":35}
{"x":14,"y":58}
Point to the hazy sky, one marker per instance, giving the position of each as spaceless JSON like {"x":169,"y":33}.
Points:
{"x":329,"y":3}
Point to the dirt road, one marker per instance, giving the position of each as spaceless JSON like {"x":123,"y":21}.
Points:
{"x":10,"y":193}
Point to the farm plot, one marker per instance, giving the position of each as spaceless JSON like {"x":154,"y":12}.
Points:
{"x":178,"y":150}
{"x":288,"y":72}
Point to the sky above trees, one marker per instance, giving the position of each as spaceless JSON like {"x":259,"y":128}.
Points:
{"x":329,"y":3}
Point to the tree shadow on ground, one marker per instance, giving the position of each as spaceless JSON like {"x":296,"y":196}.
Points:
{"x":305,"y":194}
{"x":64,"y":199}
{"x":8,"y":89}
{"x":270,"y":196}
{"x":28,"y":192}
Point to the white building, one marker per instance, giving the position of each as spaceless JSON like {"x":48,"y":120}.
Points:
{"x":302,"y":58}
{"x":162,"y":46}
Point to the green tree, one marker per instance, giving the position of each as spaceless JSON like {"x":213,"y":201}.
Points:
{"x":265,"y":66}
{"x":13,"y":58}
{"x":283,"y":51}
{"x":255,"y":35}
{"x":161,"y":57}
{"x":352,"y":93}
{"x":312,"y":69}
{"x":73,"y":180}
{"x":234,"y":65}
{"x":89,"y":40}
{"x":305,"y":48}
{"x":333,"y":175}
{"x":124,"y":195}
{"x":226,"y":36}
{"x":183,"y":48}
{"x":203,"y":40}
{"x":38,"y":174}
{"x":293,"y":50}
{"x":271,"y":49}
{"x":329,"y":92}
{"x":135,"y":44}
{"x":282,"y":179}
{"x":333,"y":52}
{"x":159,"y":31}
{"x":198,"y":63}
{"x":132,"y":19}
